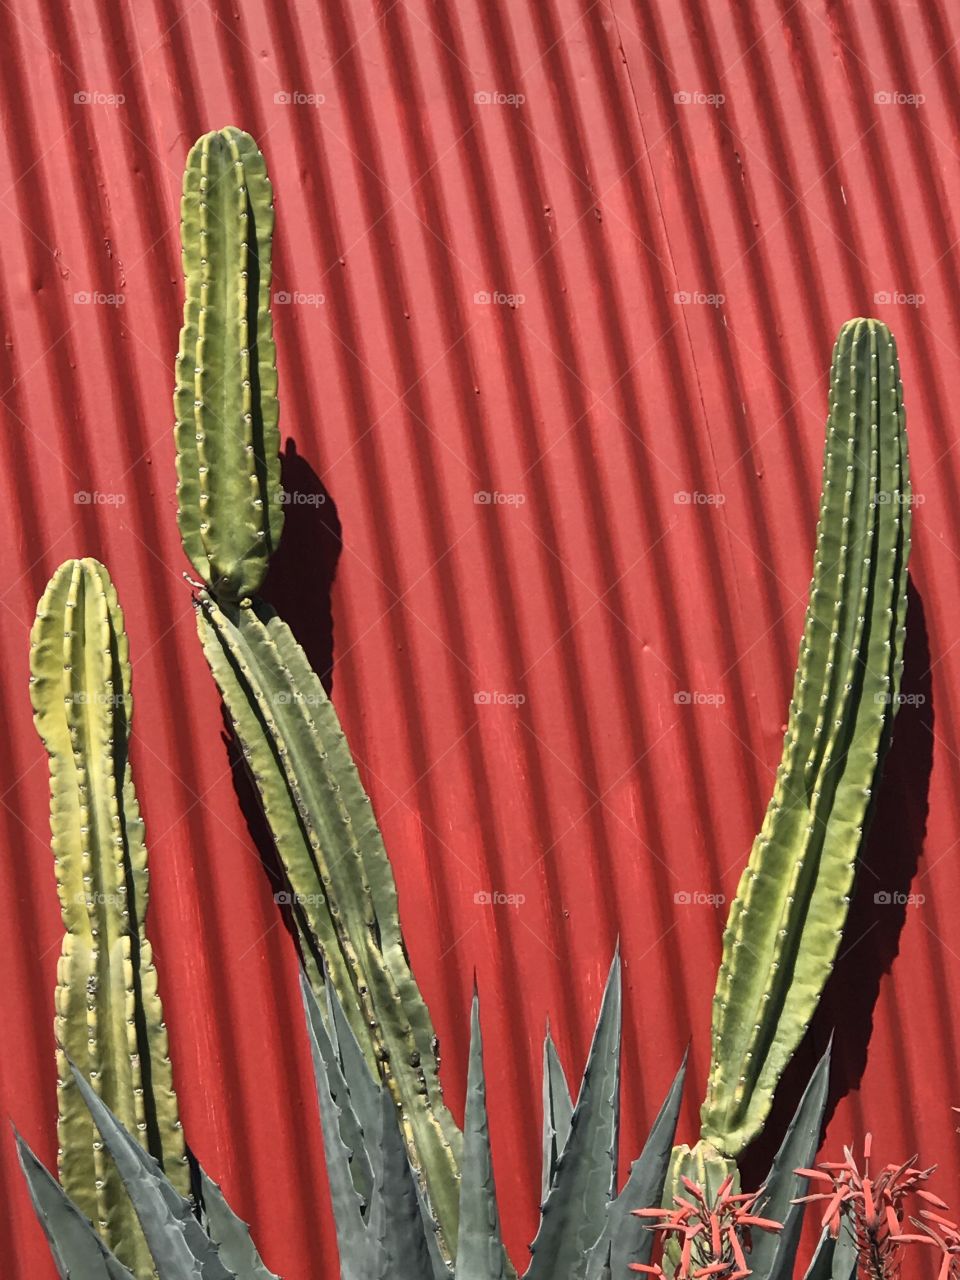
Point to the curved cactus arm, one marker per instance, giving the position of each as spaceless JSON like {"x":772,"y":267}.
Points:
{"x":557,"y":1110}
{"x":225,"y":401}
{"x":585,"y":1182}
{"x":78,"y":1252}
{"x":480,"y":1254}
{"x":333,"y":853}
{"x":774,"y":1254}
{"x":178,"y":1244}
{"x":108,"y":1012}
{"x":231,"y":1235}
{"x":787,"y":918}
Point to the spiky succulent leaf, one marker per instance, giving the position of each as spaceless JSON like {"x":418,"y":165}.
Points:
{"x":108,"y":1012}
{"x":360,"y":1114}
{"x":625,"y":1239}
{"x":774,"y":1254}
{"x":231,"y":1235}
{"x":178,"y":1244}
{"x":349,"y":1206}
{"x":786,"y":921}
{"x":480,"y":1254}
{"x":351,"y":1117}
{"x":78,"y":1252}
{"x":833,"y":1259}
{"x":574,"y":1211}
{"x":557,"y":1111}
{"x":225,"y":401}
{"x":339,"y":872}
{"x":396,"y":1218}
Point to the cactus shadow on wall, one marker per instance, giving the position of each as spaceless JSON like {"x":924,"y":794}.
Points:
{"x":259,"y":832}
{"x":298,"y":585}
{"x":878,"y":910}
{"x":302,"y":570}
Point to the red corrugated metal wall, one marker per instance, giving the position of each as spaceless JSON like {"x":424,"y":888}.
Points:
{"x":412,"y":183}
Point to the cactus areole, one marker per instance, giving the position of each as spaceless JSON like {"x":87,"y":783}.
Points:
{"x":787,"y":918}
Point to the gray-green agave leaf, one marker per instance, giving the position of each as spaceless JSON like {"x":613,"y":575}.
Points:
{"x":584,"y":1183}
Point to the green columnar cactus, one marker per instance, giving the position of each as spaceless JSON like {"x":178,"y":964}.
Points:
{"x":108,"y":1012}
{"x":230,"y":516}
{"x":786,"y":921}
{"x":343,"y":886}
{"x":226,"y":388}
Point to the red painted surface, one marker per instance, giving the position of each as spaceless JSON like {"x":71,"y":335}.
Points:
{"x":598,"y":597}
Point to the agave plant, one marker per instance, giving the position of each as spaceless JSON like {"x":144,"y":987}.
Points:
{"x":588,"y":1230}
{"x":211,"y":1244}
{"x":383,"y":1222}
{"x":384,"y":1225}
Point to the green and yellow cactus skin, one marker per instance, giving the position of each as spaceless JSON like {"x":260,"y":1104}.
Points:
{"x":225,"y":399}
{"x":787,"y":919}
{"x":230,"y":516}
{"x":108,"y":1012}
{"x":344,"y":893}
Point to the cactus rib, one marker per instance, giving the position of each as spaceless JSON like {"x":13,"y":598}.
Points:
{"x":108,"y":1011}
{"x":786,"y":921}
{"x":326,"y":832}
{"x":225,"y":400}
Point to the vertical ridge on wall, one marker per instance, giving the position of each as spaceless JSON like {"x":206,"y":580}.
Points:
{"x":556,"y":288}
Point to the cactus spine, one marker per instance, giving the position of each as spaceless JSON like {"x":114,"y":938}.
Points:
{"x":225,"y":400}
{"x":230,"y":517}
{"x":786,"y":921}
{"x":108,"y":1012}
{"x":343,"y":886}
